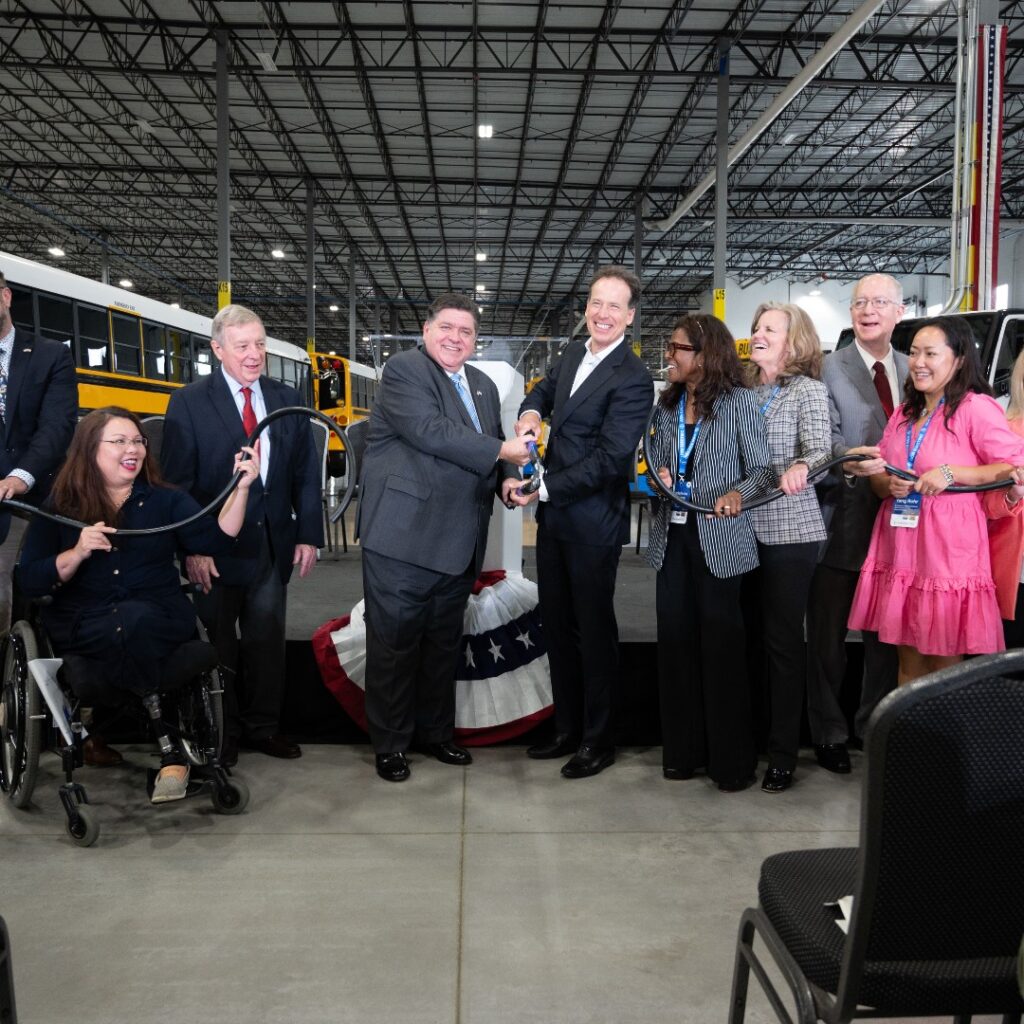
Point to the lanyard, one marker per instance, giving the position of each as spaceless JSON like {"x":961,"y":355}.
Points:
{"x":912,"y":454}
{"x":685,"y":450}
{"x":771,"y":398}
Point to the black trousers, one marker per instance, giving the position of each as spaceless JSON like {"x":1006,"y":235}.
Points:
{"x":775,"y":602}
{"x":702,"y":674}
{"x":246,"y":625}
{"x":414,"y":622}
{"x":576,"y":586}
{"x":828,"y":609}
{"x":1013,"y":632}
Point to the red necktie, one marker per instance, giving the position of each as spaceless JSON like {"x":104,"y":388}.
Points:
{"x":881,"y":386}
{"x":248,"y":416}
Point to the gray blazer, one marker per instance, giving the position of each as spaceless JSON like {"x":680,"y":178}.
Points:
{"x":731,"y":453}
{"x":857,"y":419}
{"x":428,"y":480}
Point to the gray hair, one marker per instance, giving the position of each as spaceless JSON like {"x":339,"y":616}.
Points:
{"x":891,"y":281}
{"x":232,"y":316}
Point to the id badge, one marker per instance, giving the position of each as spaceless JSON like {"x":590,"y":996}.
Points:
{"x":678,"y":517}
{"x":906,"y":512}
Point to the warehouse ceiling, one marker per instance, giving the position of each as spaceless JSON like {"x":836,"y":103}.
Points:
{"x":600,"y":113}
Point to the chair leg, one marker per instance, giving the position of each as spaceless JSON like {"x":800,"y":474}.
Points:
{"x":741,"y":974}
{"x":639,"y":525}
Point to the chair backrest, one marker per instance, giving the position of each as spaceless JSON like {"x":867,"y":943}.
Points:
{"x":153,"y":428}
{"x":941,"y":862}
{"x":357,"y":434}
{"x":321,"y":433}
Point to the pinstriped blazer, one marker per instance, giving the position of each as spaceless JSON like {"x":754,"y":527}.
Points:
{"x":857,"y":418}
{"x":731,"y":453}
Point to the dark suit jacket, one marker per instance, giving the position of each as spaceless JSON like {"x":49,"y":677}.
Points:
{"x":42,"y":410}
{"x":203,"y":431}
{"x":857,"y":419}
{"x":591,"y":449}
{"x":428,"y":478}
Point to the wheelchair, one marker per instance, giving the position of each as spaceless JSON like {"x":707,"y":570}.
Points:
{"x":40,"y":688}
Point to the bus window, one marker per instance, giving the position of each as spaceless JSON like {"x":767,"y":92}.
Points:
{"x":94,"y":337}
{"x":127,"y":332}
{"x":204,"y":361}
{"x":304,"y":385}
{"x":179,"y":368}
{"x":154,"y":351}
{"x":22,"y":312}
{"x":56,"y":319}
{"x":274,"y":366}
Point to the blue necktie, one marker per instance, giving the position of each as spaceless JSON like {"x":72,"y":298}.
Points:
{"x":467,"y":401}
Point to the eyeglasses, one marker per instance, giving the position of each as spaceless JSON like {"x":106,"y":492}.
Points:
{"x":674,"y":346}
{"x":878,"y":303}
{"x":123,"y":442}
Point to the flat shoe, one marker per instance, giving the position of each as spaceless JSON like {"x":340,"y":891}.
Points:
{"x":447,"y":752}
{"x":561,"y":746}
{"x":833,"y":757}
{"x":96,"y":753}
{"x":588,"y":761}
{"x":737,"y":786}
{"x":392,"y":767}
{"x":171,"y":784}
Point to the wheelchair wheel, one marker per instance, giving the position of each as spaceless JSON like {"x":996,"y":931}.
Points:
{"x":83,"y":827}
{"x":201,"y":718}
{"x":21,"y":717}
{"x":232,"y":798}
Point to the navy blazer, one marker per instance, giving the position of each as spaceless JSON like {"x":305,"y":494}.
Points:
{"x":42,"y":410}
{"x":429,"y":478}
{"x":592,"y":444}
{"x":203,"y":431}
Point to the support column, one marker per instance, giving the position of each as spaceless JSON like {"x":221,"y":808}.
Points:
{"x":223,"y":175}
{"x":721,"y":183}
{"x":104,"y":260}
{"x":352,"y":305}
{"x":638,"y":269}
{"x":310,"y":269}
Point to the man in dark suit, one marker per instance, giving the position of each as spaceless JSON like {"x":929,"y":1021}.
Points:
{"x":434,"y":461}
{"x":244,"y":594}
{"x":38,"y":413}
{"x":598,"y":397}
{"x":865,"y":383}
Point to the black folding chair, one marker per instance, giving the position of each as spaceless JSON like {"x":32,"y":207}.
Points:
{"x":937,"y":881}
{"x":8,"y":1012}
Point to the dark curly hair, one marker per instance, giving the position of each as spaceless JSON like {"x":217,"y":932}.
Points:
{"x":722,"y":369}
{"x":967,"y":378}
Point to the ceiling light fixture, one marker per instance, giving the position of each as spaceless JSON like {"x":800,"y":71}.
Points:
{"x":333,"y":308}
{"x":266,"y":60}
{"x":814,"y":291}
{"x":125,"y":283}
{"x":278,"y":254}
{"x":481,"y":257}
{"x":485,"y":131}
{"x":56,"y":250}
{"x":479,"y":287}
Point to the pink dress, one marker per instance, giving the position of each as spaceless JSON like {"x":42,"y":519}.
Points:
{"x":931,"y":588}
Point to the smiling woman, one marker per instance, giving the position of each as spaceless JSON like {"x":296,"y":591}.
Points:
{"x":926,"y":585}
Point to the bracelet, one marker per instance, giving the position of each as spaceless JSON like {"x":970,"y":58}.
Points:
{"x":947,"y":475}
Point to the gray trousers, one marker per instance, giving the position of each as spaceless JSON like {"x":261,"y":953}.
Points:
{"x":828,"y":610}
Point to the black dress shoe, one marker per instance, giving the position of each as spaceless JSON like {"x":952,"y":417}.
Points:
{"x":777,"y":780}
{"x":275,"y":746}
{"x":393,"y":767}
{"x":833,"y":757}
{"x":229,"y":752}
{"x":447,"y":752}
{"x":561,"y":746}
{"x":588,"y":761}
{"x":676,"y":773}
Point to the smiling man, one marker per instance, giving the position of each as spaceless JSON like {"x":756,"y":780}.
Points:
{"x":435,"y":459}
{"x":244,"y":593}
{"x":598,"y":397}
{"x":865,"y":384}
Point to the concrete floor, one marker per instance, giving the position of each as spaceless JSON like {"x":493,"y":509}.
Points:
{"x":495,"y":893}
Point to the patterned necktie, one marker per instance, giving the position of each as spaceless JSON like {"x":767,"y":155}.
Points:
{"x":467,"y":401}
{"x":883,"y":389}
{"x":248,"y":415}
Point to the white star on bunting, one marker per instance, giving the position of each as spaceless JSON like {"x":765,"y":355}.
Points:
{"x":524,"y":639}
{"x":496,"y":652}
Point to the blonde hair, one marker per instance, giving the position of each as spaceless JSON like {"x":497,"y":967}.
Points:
{"x":1016,"y":408}
{"x":804,"y":357}
{"x":232,"y":316}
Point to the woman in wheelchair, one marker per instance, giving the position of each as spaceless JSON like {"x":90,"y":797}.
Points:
{"x":117,"y":604}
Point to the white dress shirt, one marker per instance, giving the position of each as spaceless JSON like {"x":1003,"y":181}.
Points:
{"x":259,"y":407}
{"x":889,"y":362}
